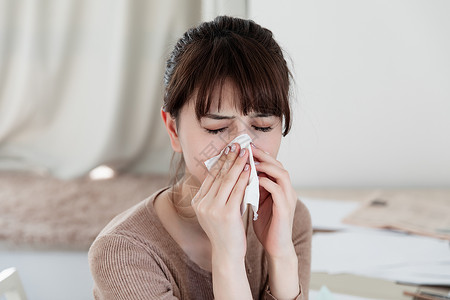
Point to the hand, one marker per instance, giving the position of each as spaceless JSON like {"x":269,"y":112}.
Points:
{"x":217,"y":204}
{"x":276,"y":206}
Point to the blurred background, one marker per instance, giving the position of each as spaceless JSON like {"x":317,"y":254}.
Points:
{"x":81,"y":85}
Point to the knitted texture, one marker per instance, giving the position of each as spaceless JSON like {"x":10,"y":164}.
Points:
{"x":134,"y":257}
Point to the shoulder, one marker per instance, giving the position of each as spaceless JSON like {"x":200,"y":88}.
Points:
{"x":120,"y":265}
{"x":136,"y":221}
{"x":123,"y":237}
{"x":136,"y":228}
{"x":128,"y":252}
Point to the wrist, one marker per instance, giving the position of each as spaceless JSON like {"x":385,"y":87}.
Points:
{"x":280,"y":264}
{"x":287,"y":256}
{"x":225,"y":261}
{"x":229,"y":277}
{"x":224,"y":255}
{"x":284,"y":280}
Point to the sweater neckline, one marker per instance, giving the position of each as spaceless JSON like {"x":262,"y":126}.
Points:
{"x":168,"y":238}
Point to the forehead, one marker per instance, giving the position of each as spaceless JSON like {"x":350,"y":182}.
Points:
{"x":228,"y":97}
{"x":225,"y":98}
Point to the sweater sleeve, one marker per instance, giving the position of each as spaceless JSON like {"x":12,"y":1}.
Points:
{"x":301,"y":237}
{"x":123,"y":269}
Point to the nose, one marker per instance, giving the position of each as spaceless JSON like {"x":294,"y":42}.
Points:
{"x":240,"y":127}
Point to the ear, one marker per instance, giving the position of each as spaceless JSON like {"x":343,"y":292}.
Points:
{"x":171,"y":130}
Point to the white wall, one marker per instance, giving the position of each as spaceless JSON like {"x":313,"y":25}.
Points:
{"x":373,"y":90}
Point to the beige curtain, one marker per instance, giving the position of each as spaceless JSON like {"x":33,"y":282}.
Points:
{"x":81,"y":83}
{"x":235,"y":8}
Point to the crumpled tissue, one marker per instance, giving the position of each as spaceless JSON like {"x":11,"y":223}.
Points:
{"x":251,"y":194}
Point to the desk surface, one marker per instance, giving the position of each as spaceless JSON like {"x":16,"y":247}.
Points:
{"x":362,"y":194}
{"x":366,"y":286}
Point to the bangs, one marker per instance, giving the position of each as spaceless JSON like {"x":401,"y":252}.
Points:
{"x":227,"y":50}
{"x":260,"y":85}
{"x":252,"y":63}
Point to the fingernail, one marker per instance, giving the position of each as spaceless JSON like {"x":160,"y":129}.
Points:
{"x":246,"y":167}
{"x":257,"y":163}
{"x":227,"y":149}
{"x":242,"y":152}
{"x":233,"y":147}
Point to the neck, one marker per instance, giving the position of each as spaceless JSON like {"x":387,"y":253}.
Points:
{"x":181,"y":195}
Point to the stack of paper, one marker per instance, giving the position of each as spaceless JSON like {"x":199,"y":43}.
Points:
{"x":325,"y":294}
{"x":383,"y":254}
{"x":414,"y":215}
{"x":328,"y":214}
{"x":379,"y":253}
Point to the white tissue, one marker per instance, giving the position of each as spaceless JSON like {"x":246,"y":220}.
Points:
{"x":251,"y":194}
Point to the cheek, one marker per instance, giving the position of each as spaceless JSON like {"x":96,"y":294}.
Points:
{"x":198,"y":150}
{"x":269,"y":143}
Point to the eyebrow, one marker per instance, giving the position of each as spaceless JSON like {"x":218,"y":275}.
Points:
{"x":222,"y":117}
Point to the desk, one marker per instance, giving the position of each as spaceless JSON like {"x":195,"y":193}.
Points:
{"x":365,"y":286}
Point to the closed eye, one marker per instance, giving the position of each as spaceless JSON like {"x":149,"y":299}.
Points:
{"x":263,"y":129}
{"x":216,"y":131}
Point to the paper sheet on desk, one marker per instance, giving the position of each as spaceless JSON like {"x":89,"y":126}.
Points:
{"x":325,"y":294}
{"x":383,"y":254}
{"x":328,"y":214}
{"x":428,"y":217}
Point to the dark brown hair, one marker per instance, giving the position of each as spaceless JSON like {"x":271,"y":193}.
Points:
{"x":233,"y":49}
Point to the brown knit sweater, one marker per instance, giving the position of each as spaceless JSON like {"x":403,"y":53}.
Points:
{"x":134,"y":257}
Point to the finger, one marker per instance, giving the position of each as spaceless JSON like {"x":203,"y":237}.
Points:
{"x":274,"y":189}
{"x":230,"y":180}
{"x":279,"y":175}
{"x":229,"y":160}
{"x":262,"y":155}
{"x":222,"y":174}
{"x":237,"y":194}
{"x":212,"y":172}
{"x":207,"y":182}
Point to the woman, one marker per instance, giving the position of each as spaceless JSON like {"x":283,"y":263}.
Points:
{"x":189,"y":240}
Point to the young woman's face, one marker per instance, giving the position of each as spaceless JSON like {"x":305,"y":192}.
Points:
{"x":205,"y":139}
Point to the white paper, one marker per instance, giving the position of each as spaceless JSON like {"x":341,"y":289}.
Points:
{"x":428,"y":217}
{"x":383,"y":254}
{"x":251,"y":195}
{"x":326,"y":294}
{"x":328,"y":214}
